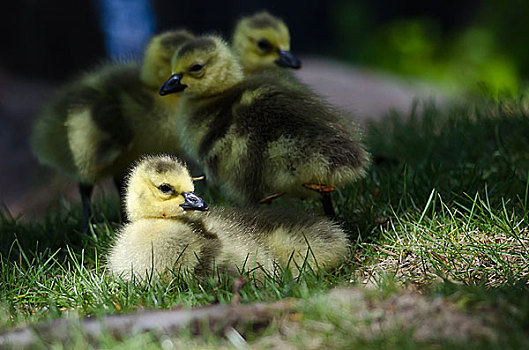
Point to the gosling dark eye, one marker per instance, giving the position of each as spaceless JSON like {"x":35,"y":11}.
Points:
{"x":264,"y":45}
{"x":165,"y":188}
{"x":196,"y":68}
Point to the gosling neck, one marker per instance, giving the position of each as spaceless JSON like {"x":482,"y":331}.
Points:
{"x":150,"y":79}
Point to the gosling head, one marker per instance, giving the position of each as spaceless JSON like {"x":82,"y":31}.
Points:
{"x":262,"y":41}
{"x":160,"y":187}
{"x":156,"y":66}
{"x":202,"y":67}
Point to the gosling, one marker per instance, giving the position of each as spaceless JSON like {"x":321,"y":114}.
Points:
{"x":260,"y":136}
{"x":104,"y":120}
{"x":171,"y":231}
{"x":262,"y":42}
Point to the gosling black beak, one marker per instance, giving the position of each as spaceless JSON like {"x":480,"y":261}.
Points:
{"x":172,"y":85}
{"x":193,"y":202}
{"x":287,"y":59}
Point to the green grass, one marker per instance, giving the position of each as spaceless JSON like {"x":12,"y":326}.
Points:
{"x":441,"y":219}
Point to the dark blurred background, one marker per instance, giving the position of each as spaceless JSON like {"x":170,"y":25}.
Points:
{"x":445,"y":41}
{"x":355,"y":52}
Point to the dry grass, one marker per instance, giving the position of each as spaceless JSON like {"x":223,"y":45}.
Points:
{"x":465,"y":245}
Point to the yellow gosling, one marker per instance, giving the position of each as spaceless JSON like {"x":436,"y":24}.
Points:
{"x":170,"y":231}
{"x":261,"y":135}
{"x":106,"y":119}
{"x":262,"y":41}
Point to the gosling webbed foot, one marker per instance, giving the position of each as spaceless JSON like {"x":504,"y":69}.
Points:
{"x":270,"y":198}
{"x":319,"y":188}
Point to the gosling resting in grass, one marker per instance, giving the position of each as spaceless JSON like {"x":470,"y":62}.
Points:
{"x":262,"y":42}
{"x":104,"y":120}
{"x":169,"y":231}
{"x":261,"y":135}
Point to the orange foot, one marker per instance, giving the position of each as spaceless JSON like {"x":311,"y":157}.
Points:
{"x":270,"y":198}
{"x":319,"y":188}
{"x":199,"y":178}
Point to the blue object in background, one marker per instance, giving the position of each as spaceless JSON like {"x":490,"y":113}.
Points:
{"x":127,"y":25}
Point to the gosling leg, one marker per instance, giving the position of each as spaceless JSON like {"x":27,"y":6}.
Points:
{"x":328,"y":207}
{"x":86,"y":192}
{"x":325,"y":198}
{"x":119,"y":182}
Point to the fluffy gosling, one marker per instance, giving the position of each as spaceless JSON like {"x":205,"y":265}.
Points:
{"x":169,"y":231}
{"x":259,"y":136}
{"x":262,"y":41}
{"x":104,"y":120}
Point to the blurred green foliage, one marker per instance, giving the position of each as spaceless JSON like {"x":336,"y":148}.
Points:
{"x":488,"y":49}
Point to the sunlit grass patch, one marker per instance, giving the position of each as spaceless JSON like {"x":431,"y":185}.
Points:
{"x":442,"y":212}
{"x":472,"y":244}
